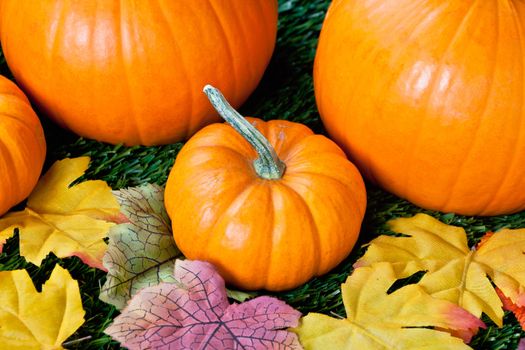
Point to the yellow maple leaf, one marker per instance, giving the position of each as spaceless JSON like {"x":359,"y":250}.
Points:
{"x":380,"y":321}
{"x":455,"y":272}
{"x":64,"y":220}
{"x":32,"y":320}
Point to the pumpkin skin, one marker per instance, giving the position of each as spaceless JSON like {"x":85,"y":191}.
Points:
{"x":22,"y":146}
{"x":131,"y":71}
{"x":271,"y":234}
{"x":427,"y":97}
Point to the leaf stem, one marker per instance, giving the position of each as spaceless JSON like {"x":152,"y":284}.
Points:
{"x":267,"y":165}
{"x":75,"y":341}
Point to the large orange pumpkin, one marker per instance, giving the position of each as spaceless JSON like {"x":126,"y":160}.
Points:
{"x":131,"y":71}
{"x":22,"y":146}
{"x":271,"y":208}
{"x":428,"y":98}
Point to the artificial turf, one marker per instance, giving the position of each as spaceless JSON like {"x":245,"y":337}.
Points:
{"x":286,"y":92}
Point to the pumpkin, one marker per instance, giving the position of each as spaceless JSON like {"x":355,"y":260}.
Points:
{"x":427,"y":98}
{"x":22,"y":146}
{"x":131,"y":71}
{"x":271,"y":204}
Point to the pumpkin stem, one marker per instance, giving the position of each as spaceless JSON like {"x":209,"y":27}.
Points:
{"x":267,"y":165}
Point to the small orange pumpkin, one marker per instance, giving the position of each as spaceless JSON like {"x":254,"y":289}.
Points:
{"x":427,"y":97}
{"x":131,"y":71}
{"x":269,"y":203}
{"x":22,"y":146}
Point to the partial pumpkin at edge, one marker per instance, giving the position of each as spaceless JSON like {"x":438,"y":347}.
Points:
{"x":427,"y":99}
{"x":22,"y":146}
{"x":131,"y":71}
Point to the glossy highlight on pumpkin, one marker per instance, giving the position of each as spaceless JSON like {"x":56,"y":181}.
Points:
{"x":427,"y":97}
{"x":131,"y":71}
{"x":273,"y":234}
{"x":22,"y":146}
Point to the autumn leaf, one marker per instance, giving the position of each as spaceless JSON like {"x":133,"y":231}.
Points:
{"x":454,"y":271}
{"x":377,"y":320}
{"x":508,"y":304}
{"x":32,"y":320}
{"x":503,"y":255}
{"x":239,"y":295}
{"x":194,"y":313}
{"x":141,"y":253}
{"x":64,"y":220}
{"x":521,"y":344}
{"x":518,"y":311}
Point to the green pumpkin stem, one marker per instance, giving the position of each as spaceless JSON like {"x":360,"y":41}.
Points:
{"x":267,"y":165}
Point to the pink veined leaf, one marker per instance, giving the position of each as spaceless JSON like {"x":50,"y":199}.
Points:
{"x":521,"y":345}
{"x":194,"y":313}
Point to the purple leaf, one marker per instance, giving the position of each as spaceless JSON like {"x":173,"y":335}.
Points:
{"x":194,"y":313}
{"x":521,"y":345}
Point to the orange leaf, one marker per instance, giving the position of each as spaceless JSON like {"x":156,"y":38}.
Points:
{"x":518,"y":311}
{"x":484,"y":239}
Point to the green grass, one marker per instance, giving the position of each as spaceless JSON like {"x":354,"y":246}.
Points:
{"x":286,"y":92}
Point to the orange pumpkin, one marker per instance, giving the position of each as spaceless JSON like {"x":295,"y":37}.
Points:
{"x":269,"y":203}
{"x":22,"y":146}
{"x":427,"y":97}
{"x":131,"y":71}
